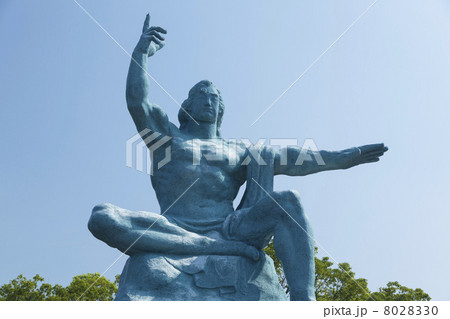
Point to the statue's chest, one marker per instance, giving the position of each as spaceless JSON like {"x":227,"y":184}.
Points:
{"x":216,"y":153}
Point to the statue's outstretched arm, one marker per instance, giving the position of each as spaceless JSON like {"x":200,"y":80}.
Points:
{"x":145,"y":114}
{"x":300,"y":162}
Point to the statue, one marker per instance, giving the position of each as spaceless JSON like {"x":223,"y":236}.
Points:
{"x":199,"y":235}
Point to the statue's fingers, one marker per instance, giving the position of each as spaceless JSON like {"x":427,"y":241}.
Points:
{"x":371,"y":148}
{"x":372,"y":160}
{"x":146,"y":23}
{"x":161,"y":44}
{"x":374,"y":153}
{"x":154,"y":33}
{"x":159,"y":29}
{"x":380,"y":151}
{"x":152,"y":38}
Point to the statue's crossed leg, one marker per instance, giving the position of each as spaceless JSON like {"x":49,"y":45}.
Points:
{"x":144,"y":232}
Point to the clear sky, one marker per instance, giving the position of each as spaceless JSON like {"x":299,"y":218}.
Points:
{"x":64,"y":122}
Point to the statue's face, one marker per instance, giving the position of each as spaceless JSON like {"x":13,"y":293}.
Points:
{"x":205,"y":105}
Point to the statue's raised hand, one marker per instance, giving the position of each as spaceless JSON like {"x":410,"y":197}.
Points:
{"x":151,"y":39}
{"x":363,"y":154}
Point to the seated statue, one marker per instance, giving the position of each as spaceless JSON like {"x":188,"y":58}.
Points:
{"x":198,"y":232}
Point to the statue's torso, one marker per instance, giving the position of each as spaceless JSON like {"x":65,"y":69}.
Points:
{"x":217,"y":173}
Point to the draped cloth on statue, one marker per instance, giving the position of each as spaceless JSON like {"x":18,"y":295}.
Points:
{"x":150,"y":276}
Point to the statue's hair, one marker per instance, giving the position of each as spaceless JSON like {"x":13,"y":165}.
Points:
{"x":186,"y":106}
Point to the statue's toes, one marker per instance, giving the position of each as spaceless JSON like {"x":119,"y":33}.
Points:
{"x":253,"y":253}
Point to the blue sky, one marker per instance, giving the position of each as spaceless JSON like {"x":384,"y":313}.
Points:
{"x":64,"y":122}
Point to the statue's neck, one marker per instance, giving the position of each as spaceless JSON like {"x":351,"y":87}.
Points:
{"x":202,"y":130}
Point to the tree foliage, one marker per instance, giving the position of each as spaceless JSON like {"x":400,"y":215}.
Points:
{"x":340,"y":284}
{"x":396,"y":292}
{"x":23,"y":289}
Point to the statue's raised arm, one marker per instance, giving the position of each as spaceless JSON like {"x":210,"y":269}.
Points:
{"x":144,"y":114}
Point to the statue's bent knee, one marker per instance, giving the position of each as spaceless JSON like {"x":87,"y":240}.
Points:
{"x":101,"y":220}
{"x":289,"y":200}
{"x":291,"y":197}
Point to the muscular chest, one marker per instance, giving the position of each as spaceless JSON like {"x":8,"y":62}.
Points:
{"x":215,"y":163}
{"x":206,"y":155}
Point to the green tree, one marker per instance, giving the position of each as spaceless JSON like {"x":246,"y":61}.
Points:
{"x":23,"y":289}
{"x":91,"y":287}
{"x":396,"y":292}
{"x":340,"y":284}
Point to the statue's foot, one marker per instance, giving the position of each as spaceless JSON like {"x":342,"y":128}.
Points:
{"x":237,"y":248}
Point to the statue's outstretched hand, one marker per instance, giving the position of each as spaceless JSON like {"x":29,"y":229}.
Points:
{"x":151,"y":39}
{"x":363,"y":154}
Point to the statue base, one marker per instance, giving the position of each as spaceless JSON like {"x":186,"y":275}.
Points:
{"x":169,"y":277}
